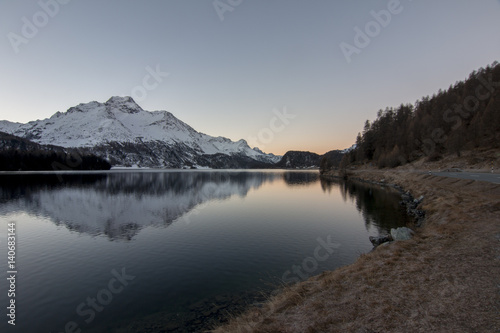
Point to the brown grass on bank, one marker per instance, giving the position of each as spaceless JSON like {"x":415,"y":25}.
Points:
{"x":470,"y":160}
{"x":445,"y":279}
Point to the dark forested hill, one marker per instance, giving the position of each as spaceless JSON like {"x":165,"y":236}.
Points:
{"x":305,"y":159}
{"x":18,"y":154}
{"x":466,"y":116}
{"x":299,"y":160}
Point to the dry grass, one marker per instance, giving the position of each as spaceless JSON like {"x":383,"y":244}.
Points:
{"x":445,"y":279}
{"x":478,"y":159}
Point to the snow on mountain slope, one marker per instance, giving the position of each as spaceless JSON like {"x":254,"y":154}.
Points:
{"x":9,"y":127}
{"x":120,"y":120}
{"x":351,"y":148}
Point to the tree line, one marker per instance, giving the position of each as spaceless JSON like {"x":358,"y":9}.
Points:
{"x":18,"y":154}
{"x":466,"y":116}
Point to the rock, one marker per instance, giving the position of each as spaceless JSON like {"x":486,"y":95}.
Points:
{"x":376,"y":241}
{"x":402,"y":233}
{"x":419,"y":200}
{"x":412,"y":207}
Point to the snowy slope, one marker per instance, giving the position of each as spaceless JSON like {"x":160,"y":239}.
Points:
{"x":351,"y":148}
{"x":121,"y":121}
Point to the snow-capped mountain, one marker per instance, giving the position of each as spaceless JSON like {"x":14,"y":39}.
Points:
{"x":125,"y":134}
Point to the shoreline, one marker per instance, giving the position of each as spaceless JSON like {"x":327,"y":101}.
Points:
{"x":446,"y":278}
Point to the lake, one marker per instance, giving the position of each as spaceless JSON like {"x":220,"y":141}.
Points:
{"x":146,"y":251}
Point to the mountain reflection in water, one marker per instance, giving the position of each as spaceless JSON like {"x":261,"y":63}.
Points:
{"x":119,"y":205}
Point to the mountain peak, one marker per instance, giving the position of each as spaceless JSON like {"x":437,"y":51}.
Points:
{"x":83,"y":107}
{"x":243,"y":143}
{"x":120,"y":100}
{"x":125,"y":103}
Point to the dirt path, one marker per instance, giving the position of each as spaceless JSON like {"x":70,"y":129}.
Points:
{"x":486,"y":177}
{"x":446,"y":279}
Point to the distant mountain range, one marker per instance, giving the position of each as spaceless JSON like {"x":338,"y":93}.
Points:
{"x":122,"y":133}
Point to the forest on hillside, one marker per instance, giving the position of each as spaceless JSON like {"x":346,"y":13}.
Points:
{"x":466,"y":116}
{"x":18,"y":154}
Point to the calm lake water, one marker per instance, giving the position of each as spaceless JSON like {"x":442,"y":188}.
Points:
{"x":144,"y":251}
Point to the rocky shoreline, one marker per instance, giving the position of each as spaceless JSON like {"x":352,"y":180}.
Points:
{"x":411,"y":204}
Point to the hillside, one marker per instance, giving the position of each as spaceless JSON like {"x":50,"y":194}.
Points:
{"x":465,"y":117}
{"x":299,"y":160}
{"x":18,"y":154}
{"x":304,"y":159}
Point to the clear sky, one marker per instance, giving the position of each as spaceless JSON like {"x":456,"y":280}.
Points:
{"x":233,"y":65}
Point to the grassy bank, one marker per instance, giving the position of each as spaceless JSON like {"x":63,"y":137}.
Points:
{"x":445,"y":279}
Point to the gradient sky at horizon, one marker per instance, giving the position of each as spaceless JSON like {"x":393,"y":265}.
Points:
{"x":228,"y":77}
